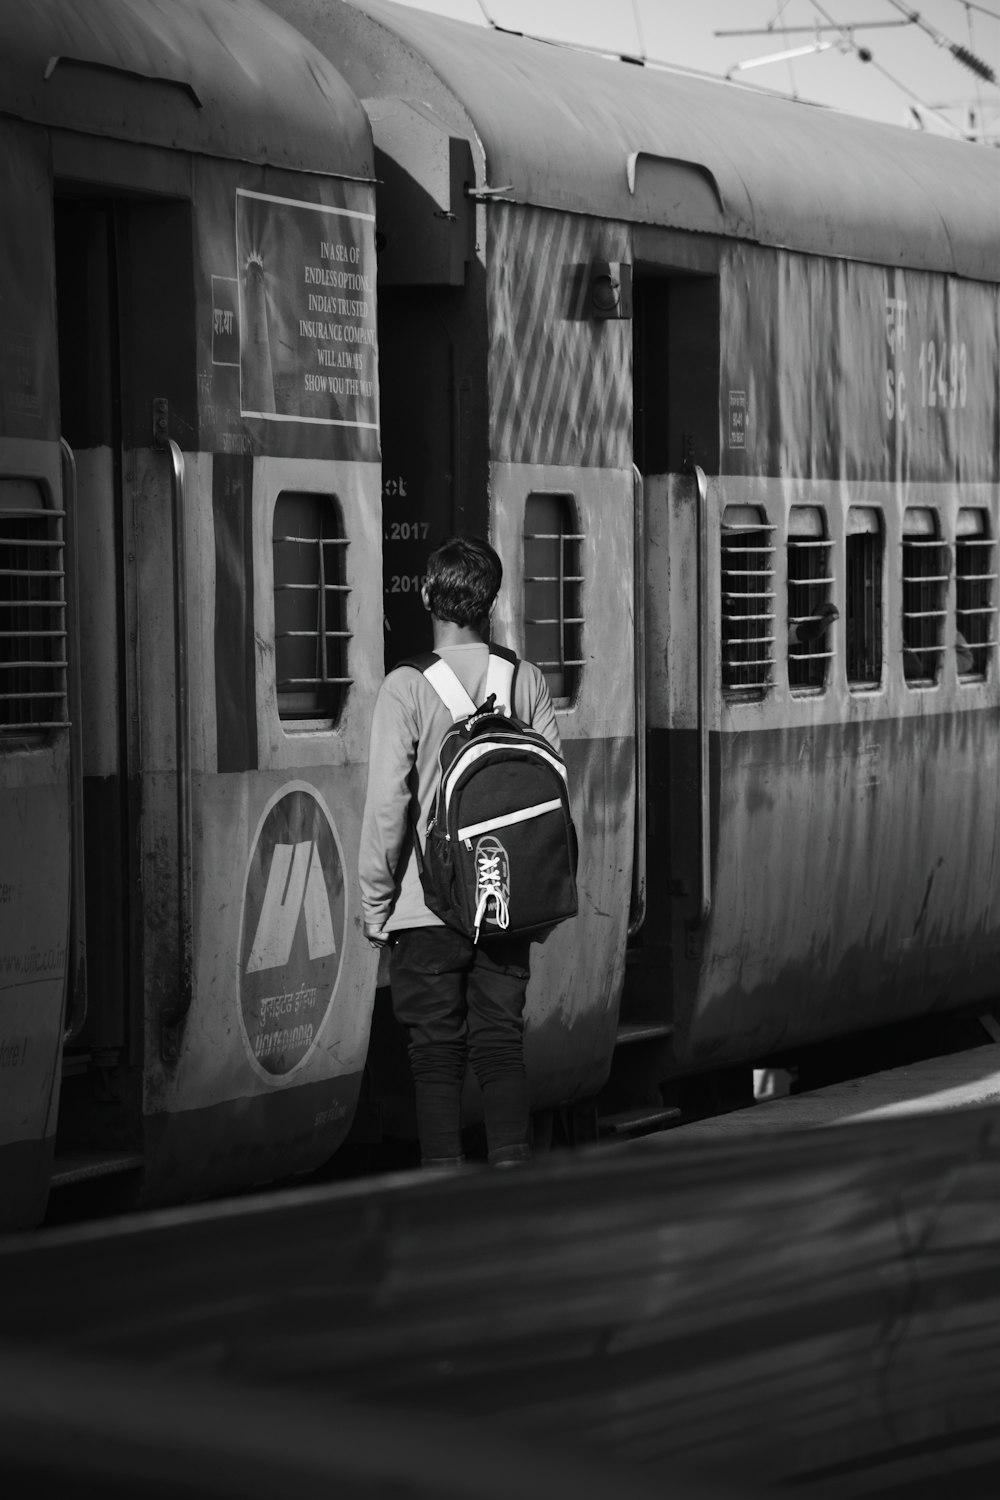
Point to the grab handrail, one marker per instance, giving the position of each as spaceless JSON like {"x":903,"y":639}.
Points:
{"x":637,"y":915}
{"x":704,"y":790}
{"x":77,"y":975}
{"x":173,"y":1018}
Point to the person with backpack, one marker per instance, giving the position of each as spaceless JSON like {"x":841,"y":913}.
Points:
{"x":467,"y":847}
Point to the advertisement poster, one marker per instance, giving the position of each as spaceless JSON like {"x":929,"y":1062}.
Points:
{"x":305,"y":290}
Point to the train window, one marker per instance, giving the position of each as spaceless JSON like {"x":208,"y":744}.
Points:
{"x":925,"y":585}
{"x":864,"y":553}
{"x":553,"y":583}
{"x":810,"y":582}
{"x":975,"y":603}
{"x":32,"y":611}
{"x":747,"y":599}
{"x":310,"y":607}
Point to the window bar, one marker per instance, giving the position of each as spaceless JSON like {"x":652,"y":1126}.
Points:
{"x":321,"y":608}
{"x":561,"y":592}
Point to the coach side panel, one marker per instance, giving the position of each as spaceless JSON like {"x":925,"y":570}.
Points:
{"x":853,"y":801}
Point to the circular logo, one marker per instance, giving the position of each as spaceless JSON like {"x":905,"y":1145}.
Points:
{"x":292,"y":940}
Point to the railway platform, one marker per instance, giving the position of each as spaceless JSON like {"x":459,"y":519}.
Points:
{"x":818,"y":1311}
{"x":958,"y":1080}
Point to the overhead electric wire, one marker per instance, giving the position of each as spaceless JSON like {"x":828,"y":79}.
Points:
{"x":638,"y":31}
{"x":866,"y":56}
{"x":961,"y":54}
{"x":994,"y":15}
{"x":964,"y":55}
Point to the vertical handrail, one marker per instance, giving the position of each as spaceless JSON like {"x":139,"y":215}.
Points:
{"x":77,"y":978}
{"x":704,"y":790}
{"x":637,"y":915}
{"x":174,"y":1018}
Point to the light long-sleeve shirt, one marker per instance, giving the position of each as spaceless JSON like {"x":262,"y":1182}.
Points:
{"x":408,"y":725}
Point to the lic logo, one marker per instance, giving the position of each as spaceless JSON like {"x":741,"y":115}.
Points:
{"x":292,"y":938}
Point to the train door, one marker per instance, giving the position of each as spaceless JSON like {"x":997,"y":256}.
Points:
{"x":432,"y":359}
{"x":433,"y":428}
{"x":120,"y":262}
{"x":35,"y":714}
{"x":676,"y":442}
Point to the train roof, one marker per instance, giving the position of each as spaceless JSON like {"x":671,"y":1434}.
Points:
{"x":221,"y":77}
{"x":574,"y":131}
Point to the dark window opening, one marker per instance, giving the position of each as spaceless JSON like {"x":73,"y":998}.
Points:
{"x":32,"y":611}
{"x":310,"y":607}
{"x":747,"y":600}
{"x":810,"y":607}
{"x":975,"y":608}
{"x":863,"y":581}
{"x":925,"y":585}
{"x":553,"y":584}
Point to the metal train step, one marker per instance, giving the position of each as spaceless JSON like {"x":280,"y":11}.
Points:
{"x":635,"y":1121}
{"x":71,"y":1167}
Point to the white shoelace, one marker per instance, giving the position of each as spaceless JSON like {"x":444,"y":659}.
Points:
{"x":489,"y":886}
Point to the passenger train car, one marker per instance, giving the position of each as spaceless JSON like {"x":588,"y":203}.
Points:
{"x":295,"y":292}
{"x":185,"y":989}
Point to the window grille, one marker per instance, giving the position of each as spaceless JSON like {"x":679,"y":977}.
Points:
{"x":975,"y":606}
{"x":747,"y":599}
{"x":864,"y":553}
{"x":553,"y":585}
{"x":925,"y":586}
{"x":310,"y":607}
{"x":32,"y":611}
{"x":810,"y":584}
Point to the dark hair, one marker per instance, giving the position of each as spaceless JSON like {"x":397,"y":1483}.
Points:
{"x":462,"y":580}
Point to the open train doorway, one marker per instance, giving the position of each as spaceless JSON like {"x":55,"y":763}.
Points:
{"x":120,"y":279}
{"x":675,"y":434}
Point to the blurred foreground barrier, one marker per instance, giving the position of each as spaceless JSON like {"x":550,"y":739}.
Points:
{"x":820,"y":1311}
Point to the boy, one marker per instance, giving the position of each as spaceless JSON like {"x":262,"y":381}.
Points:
{"x":457,"y":999}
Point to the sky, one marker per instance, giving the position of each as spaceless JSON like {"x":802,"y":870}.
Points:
{"x":911,"y":67}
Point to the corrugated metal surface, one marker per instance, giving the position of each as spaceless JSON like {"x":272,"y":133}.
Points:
{"x":849,"y":372}
{"x":208,"y":75}
{"x":561,"y":382}
{"x":560,"y":127}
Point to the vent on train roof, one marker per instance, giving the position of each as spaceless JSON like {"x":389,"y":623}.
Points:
{"x":87,"y":65}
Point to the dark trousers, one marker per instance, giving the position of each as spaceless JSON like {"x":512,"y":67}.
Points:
{"x":463,"y":1002}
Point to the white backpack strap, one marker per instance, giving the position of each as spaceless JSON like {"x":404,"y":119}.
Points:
{"x":449,"y":689}
{"x":500,"y":681}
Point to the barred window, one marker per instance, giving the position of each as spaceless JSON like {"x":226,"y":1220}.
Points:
{"x":863,"y":563}
{"x":553,"y":585}
{"x":810,"y":606}
{"x":310,"y":606}
{"x":747,"y":599}
{"x":925,"y":586}
{"x":975,"y":600}
{"x":32,"y":611}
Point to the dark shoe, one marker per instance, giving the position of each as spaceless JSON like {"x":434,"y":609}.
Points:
{"x":438,"y":1163}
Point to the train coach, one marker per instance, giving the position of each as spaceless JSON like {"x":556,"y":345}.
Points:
{"x":190,"y":630}
{"x":293,"y":293}
{"x":727,"y":368}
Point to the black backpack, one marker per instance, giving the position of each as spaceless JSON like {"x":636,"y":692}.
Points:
{"x":501,"y":851}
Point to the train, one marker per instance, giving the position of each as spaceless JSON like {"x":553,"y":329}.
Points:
{"x":289,"y":292}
